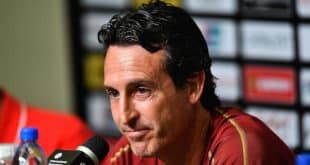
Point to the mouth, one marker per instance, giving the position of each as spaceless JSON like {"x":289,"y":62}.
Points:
{"x":137,"y":135}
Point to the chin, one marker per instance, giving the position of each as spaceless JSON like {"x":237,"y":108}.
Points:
{"x":143,"y":149}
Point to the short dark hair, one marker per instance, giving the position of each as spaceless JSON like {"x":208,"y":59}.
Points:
{"x":158,"y":25}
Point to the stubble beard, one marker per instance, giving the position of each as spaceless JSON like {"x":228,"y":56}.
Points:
{"x":144,"y":148}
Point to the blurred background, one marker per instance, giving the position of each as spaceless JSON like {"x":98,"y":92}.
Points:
{"x":50,"y":57}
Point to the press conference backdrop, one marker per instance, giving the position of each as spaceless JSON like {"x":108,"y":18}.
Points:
{"x":260,"y":50}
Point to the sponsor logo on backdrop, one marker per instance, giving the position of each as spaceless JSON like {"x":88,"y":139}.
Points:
{"x":304,"y":40}
{"x":306,"y":130}
{"x":93,"y":71}
{"x":106,"y":3}
{"x":228,"y":78}
{"x":211,"y":6}
{"x":213,"y":34}
{"x":137,"y":3}
{"x":305,"y":86}
{"x":283,"y":122}
{"x":269,"y":84}
{"x":270,"y":8}
{"x":267,"y":41}
{"x":220,"y":36}
{"x":303,"y":8}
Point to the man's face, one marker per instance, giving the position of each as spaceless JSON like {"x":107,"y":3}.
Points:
{"x":145,"y":104}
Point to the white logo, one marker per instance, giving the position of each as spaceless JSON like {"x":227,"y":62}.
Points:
{"x":58,"y":155}
{"x":268,"y":41}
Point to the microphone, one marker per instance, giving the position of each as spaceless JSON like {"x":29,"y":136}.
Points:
{"x":89,"y":153}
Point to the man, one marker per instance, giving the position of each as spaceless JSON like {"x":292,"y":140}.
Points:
{"x":161,"y":89}
{"x":56,"y":130}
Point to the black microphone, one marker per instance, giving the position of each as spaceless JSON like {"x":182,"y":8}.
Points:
{"x":89,"y":153}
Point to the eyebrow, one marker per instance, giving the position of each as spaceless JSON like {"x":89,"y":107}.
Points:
{"x":132,"y":83}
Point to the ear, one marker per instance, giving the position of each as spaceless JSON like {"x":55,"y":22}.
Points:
{"x":195,"y":86}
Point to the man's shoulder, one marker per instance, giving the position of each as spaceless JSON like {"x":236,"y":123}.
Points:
{"x":235,"y":119}
{"x":239,"y":137}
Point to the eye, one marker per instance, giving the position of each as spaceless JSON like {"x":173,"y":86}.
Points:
{"x":112,"y":93}
{"x":142,"y":92}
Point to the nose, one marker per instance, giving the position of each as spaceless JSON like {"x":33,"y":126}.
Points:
{"x":128,"y":114}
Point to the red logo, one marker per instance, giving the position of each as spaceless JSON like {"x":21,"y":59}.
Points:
{"x":269,"y":84}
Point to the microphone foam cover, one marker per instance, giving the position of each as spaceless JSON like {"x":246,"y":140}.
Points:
{"x":98,"y":146}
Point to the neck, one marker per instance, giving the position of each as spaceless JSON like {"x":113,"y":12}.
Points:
{"x":190,"y":150}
